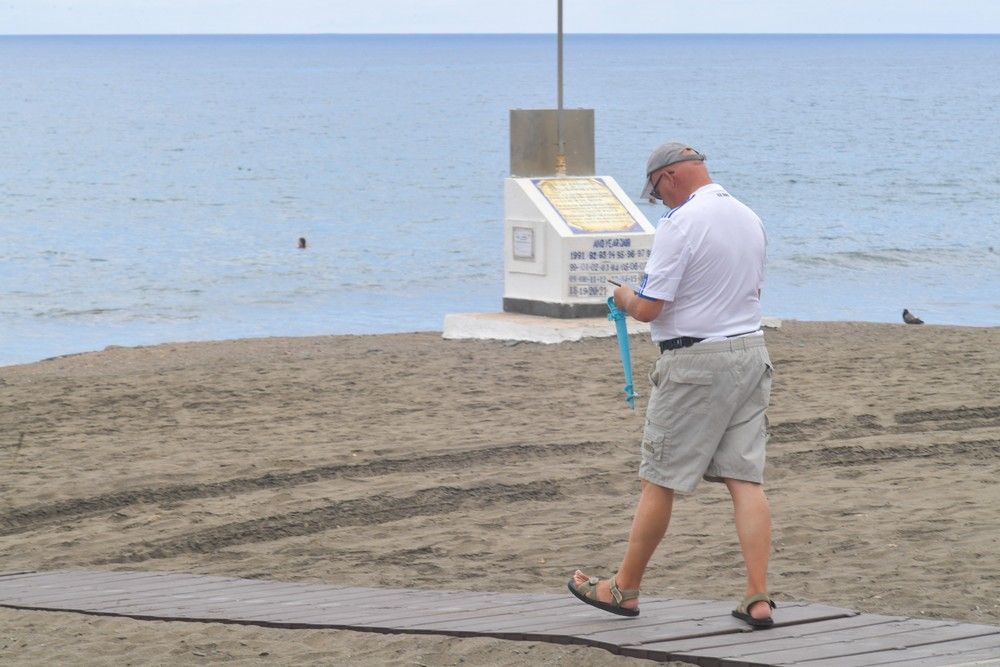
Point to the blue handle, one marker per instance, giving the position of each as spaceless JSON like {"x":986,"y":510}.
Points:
{"x":622,"y":331}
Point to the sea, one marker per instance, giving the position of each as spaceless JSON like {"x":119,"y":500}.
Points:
{"x":154,"y":188}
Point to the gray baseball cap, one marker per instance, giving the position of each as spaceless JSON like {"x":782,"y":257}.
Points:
{"x":664,"y":156}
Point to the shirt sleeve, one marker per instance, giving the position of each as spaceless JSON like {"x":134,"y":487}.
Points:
{"x":667,"y":262}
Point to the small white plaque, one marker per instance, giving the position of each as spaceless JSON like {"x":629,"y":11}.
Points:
{"x":524,"y":243}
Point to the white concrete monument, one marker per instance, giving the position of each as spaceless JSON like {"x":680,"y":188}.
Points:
{"x":565,"y":237}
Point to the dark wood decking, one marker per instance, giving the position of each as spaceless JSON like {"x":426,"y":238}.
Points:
{"x":697,"y":631}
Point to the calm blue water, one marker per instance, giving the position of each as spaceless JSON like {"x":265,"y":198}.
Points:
{"x":153,"y":188}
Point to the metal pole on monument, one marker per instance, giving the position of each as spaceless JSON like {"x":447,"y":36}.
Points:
{"x":561,"y":155}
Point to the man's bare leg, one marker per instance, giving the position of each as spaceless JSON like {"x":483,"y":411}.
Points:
{"x":753,"y":526}
{"x":652,"y":516}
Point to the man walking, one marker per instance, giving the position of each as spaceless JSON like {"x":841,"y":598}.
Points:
{"x":712,"y":382}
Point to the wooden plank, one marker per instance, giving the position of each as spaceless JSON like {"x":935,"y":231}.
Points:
{"x":127,"y":602}
{"x":393,"y":617}
{"x":672,"y":631}
{"x":976,"y":658}
{"x":507,"y":621}
{"x":71,"y":580}
{"x":244,"y":594}
{"x":952,"y":653}
{"x":376,"y":605}
{"x":146,"y":586}
{"x":489,"y":609}
{"x":170,"y":590}
{"x":259,"y":607}
{"x":378,"y":610}
{"x":888,"y":631}
{"x":688,"y":614}
{"x":402,"y":617}
{"x":56,"y":573}
{"x":60,"y":580}
{"x":749,"y":636}
{"x":192,"y":602}
{"x":330,"y":618}
{"x":76,"y":580}
{"x":559,"y":632}
{"x":571,"y":608}
{"x":247,"y":592}
{"x":848,"y":647}
{"x":431,"y":610}
{"x":58,"y":591}
{"x":220,"y":599}
{"x":547,"y":622}
{"x":723,"y":623}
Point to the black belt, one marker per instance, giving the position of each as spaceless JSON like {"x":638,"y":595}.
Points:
{"x":677,"y":343}
{"x":688,"y":341}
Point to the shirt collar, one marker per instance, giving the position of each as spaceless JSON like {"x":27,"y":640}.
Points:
{"x":704,"y":188}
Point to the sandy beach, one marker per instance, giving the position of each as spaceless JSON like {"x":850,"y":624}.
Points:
{"x":411,"y":461}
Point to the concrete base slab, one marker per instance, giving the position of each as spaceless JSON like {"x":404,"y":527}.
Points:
{"x":535,"y":329}
{"x":531,"y":328}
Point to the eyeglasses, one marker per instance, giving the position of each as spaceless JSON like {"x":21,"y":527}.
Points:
{"x":656,"y":184}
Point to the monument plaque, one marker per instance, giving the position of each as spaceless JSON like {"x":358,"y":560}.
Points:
{"x":524,"y":243}
{"x":587,"y":205}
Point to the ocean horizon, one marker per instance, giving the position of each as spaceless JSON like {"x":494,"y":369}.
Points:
{"x":548,"y":35}
{"x":156,"y":185}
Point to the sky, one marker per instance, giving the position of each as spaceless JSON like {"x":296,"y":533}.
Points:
{"x":26,"y":17}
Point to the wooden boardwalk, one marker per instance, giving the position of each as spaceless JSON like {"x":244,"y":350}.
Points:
{"x":696,"y":631}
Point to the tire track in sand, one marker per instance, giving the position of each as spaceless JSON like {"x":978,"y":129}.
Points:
{"x":849,"y":455}
{"x":31,"y":517}
{"x":957,"y":414}
{"x":864,"y":425}
{"x":356,"y":512}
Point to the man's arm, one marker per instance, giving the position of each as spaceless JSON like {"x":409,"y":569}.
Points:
{"x":641,"y":308}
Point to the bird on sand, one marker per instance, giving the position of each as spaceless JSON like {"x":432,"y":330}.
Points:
{"x":910,"y":318}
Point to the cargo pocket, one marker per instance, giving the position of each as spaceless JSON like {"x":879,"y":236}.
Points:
{"x":762,"y":393}
{"x":653,"y":437}
{"x":689,"y":391}
{"x":660,"y":368}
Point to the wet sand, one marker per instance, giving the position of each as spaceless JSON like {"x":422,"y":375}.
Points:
{"x":408,"y":460}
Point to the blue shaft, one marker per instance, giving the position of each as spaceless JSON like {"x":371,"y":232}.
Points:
{"x":622,"y":331}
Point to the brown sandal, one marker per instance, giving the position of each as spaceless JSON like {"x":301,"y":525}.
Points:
{"x":742,"y":612}
{"x":587,"y":592}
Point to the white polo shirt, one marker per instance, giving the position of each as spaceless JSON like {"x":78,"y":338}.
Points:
{"x":708,"y":261}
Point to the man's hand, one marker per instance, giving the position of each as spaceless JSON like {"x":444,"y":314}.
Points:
{"x":622,"y":293}
{"x":642,"y":309}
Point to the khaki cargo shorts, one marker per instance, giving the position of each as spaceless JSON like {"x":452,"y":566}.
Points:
{"x":706,"y":414}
